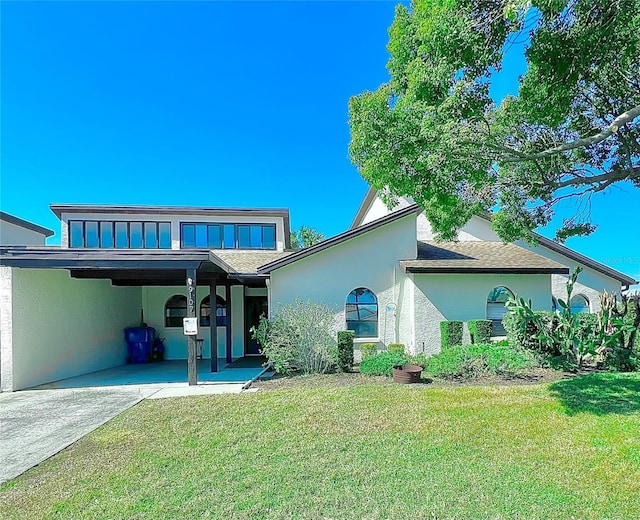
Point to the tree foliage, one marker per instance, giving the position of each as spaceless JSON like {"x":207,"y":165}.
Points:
{"x":305,"y":237}
{"x":433,"y":133}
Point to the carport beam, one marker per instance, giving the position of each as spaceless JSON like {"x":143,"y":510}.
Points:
{"x":192,"y":368}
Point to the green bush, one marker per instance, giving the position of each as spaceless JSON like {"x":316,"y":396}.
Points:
{"x":396,"y":348}
{"x":469,"y":361}
{"x":450,"y":333}
{"x":525,"y":337}
{"x":382,"y":364}
{"x":367,"y":350}
{"x":345,"y":350}
{"x":300,"y":337}
{"x":480,"y":331}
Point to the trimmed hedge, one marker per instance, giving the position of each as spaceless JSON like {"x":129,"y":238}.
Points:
{"x":367,"y":350}
{"x":345,"y":350}
{"x":480,"y":331}
{"x":450,"y":333}
{"x":469,"y":361}
{"x":396,"y":348}
{"x":382,"y":364}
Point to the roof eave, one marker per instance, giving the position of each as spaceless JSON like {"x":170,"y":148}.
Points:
{"x":338,"y":239}
{"x":578,"y":257}
{"x":484,"y":270}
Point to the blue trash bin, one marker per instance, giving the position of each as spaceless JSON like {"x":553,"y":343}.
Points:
{"x":139,"y":343}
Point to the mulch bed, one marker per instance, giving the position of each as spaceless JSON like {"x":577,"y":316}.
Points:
{"x":278,"y":382}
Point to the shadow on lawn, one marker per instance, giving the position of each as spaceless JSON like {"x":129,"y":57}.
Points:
{"x":599,"y":394}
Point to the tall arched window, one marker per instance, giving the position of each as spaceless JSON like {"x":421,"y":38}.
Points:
{"x":362,"y":313}
{"x":174,"y":310}
{"x":496,"y":310}
{"x":579,"y":303}
{"x":205,"y":312}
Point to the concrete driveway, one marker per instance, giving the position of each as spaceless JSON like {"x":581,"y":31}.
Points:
{"x":36,"y":424}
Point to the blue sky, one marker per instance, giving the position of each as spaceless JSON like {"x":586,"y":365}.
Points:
{"x":211,"y":104}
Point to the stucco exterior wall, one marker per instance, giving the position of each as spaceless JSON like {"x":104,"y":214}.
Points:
{"x":463,"y":297}
{"x":369,"y":260}
{"x":175,"y":221}
{"x":13,"y":235}
{"x":62,"y":327}
{"x":154,"y":300}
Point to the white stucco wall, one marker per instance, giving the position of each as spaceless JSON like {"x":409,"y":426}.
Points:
{"x":13,"y":235}
{"x":369,"y":260}
{"x":154,"y":300}
{"x":175,"y":221}
{"x":463,"y":297}
{"x":61,"y":327}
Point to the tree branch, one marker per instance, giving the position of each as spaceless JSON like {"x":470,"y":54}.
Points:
{"x":618,"y":122}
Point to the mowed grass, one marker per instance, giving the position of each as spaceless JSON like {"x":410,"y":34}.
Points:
{"x":569,"y":450}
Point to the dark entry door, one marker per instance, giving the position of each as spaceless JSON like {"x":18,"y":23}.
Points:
{"x":254,"y":307}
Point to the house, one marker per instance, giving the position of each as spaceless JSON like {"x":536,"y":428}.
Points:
{"x":63,"y":308}
{"x":392,"y":282}
{"x":18,"y":232}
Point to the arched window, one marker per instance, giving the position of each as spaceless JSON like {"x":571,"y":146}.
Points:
{"x":362,"y":313}
{"x":205,"y":312}
{"x":496,"y":310}
{"x":579,"y":303}
{"x":174,"y":310}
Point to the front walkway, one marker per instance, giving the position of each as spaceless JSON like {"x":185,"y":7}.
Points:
{"x":165,"y":373}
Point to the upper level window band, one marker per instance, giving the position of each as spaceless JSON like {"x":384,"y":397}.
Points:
{"x":106,"y":234}
{"x":227,"y":236}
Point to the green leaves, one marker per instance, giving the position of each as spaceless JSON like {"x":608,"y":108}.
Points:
{"x":433,"y":133}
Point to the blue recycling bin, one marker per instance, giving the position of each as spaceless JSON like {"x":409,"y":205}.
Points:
{"x":139,"y":343}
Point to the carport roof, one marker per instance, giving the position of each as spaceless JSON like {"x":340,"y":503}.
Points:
{"x":479,"y":257}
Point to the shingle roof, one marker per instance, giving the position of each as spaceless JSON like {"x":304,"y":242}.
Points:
{"x":479,"y":257}
{"x":247,"y":261}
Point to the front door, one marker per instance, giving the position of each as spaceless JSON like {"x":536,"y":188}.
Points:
{"x":254,"y":307}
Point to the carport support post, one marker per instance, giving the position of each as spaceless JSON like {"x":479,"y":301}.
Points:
{"x":192,"y":368}
{"x":213,"y":325}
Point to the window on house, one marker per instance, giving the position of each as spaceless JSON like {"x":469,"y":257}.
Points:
{"x":122,"y":235}
{"x":496,"y":310}
{"x":205,"y":312}
{"x":579,"y":303}
{"x":361,"y":312}
{"x":174,"y":310}
{"x":228,"y":236}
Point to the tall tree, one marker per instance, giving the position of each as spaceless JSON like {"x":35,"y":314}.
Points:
{"x":433,"y":132}
{"x":305,"y":237}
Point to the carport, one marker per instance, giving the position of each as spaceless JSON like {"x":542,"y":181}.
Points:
{"x":63,"y":311}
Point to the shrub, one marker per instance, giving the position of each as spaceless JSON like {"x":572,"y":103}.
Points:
{"x":396,"y":348}
{"x":524,"y":333}
{"x":382,"y":364}
{"x":450,"y":333}
{"x":299,"y":337}
{"x":367,"y":350}
{"x":480,"y":331}
{"x":469,"y":361}
{"x":345,"y":350}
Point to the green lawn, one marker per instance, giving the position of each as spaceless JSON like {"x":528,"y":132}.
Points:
{"x":568,"y":450}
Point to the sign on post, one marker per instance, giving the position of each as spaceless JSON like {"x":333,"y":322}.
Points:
{"x":190,"y":326}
